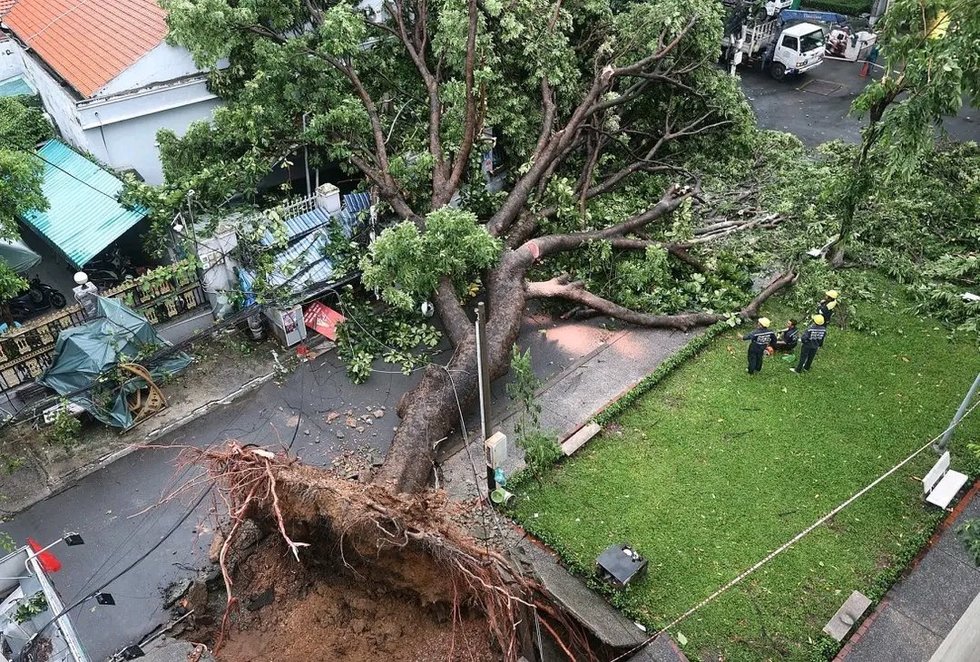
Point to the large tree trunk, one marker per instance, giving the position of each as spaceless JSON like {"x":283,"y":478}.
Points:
{"x":433,"y":409}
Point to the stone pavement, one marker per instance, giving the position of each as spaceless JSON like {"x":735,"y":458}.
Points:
{"x":922,"y":607}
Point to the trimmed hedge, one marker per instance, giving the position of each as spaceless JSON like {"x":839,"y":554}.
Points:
{"x":689,"y":351}
{"x":849,"y":7}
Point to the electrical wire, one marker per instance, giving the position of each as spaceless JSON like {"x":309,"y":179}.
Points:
{"x":128,"y":568}
{"x":792,"y":541}
{"x":80,"y":181}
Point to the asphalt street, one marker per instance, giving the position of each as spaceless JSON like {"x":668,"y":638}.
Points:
{"x":107,"y":507}
{"x":125,"y":531}
{"x":816,"y":105}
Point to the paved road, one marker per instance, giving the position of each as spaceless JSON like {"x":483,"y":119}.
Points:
{"x":103,"y":506}
{"x":815,"y":106}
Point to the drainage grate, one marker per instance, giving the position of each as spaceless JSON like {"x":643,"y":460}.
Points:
{"x":821,"y":87}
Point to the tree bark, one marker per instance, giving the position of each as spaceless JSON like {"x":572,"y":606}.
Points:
{"x":435,"y":407}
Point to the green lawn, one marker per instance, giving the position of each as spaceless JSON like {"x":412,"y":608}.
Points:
{"x":712,"y":469}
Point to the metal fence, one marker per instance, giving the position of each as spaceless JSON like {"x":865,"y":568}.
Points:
{"x":160,"y":295}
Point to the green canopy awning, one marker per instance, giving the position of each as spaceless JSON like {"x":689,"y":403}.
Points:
{"x":85,"y":356}
{"x":17,"y":255}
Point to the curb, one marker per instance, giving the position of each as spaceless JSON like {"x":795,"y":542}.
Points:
{"x":68,"y":480}
{"x":947,"y":522}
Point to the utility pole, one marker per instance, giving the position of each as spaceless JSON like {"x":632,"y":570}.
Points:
{"x":943,"y":443}
{"x":483,"y":368}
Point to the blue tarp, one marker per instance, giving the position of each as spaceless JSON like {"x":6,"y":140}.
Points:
{"x":85,"y":355}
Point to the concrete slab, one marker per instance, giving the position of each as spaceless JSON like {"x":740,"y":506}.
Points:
{"x":894,"y":637}
{"x":950,"y":543}
{"x":936,"y":592}
{"x":580,"y":438}
{"x":962,"y":644}
{"x":848,"y":614}
{"x":611,"y":627}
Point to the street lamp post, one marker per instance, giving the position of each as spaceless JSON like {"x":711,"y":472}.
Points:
{"x":179,"y":228}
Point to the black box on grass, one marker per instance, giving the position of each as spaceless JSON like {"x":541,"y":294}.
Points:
{"x":620,"y":564}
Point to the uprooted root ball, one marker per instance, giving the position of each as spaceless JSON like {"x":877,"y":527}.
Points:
{"x":406,"y":546}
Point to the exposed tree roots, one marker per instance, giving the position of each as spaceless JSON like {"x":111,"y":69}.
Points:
{"x":423,"y":550}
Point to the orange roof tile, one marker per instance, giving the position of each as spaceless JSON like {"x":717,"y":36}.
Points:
{"x":88,"y":42}
{"x":5,"y":6}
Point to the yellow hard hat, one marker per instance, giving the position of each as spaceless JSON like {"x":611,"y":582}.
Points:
{"x":831,"y":305}
{"x":833,"y":294}
{"x":818,"y":319}
{"x":764,"y":322}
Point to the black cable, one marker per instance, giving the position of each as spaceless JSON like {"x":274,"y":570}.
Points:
{"x":80,"y":181}
{"x":23,"y":657}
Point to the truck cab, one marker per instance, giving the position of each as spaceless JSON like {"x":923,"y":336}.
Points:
{"x":798,"y":49}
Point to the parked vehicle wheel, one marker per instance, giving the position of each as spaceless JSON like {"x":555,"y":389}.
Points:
{"x":57,"y":299}
{"x":777,"y":70}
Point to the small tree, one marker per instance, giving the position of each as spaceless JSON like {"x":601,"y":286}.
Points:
{"x":541,"y":450}
{"x":933,"y":61}
{"x":21,"y":128}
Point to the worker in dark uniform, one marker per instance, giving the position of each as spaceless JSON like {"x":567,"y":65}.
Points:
{"x":759,"y":339}
{"x":788,"y":338}
{"x":811,"y":340}
{"x":827,"y":305}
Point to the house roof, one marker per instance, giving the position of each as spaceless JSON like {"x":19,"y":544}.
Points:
{"x":5,"y":6}
{"x":83,"y":216}
{"x":88,"y":42}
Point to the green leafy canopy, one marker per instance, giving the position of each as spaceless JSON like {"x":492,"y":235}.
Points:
{"x":404,"y":265}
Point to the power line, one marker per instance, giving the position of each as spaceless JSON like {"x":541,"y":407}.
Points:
{"x":55,"y":20}
{"x":80,"y":181}
{"x":27,"y":648}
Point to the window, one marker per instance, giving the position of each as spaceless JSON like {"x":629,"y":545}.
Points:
{"x":812,"y":41}
{"x":789,"y":42}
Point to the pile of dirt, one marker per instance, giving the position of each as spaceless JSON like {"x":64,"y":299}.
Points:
{"x":298,"y":611}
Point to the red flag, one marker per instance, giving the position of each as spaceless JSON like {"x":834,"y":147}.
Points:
{"x":47,"y":560}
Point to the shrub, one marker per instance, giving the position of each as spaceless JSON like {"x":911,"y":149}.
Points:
{"x":65,"y":428}
{"x":541,"y":449}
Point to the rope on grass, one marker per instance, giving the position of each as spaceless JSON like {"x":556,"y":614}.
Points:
{"x":795,"y":539}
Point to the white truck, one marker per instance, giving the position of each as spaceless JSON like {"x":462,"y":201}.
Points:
{"x":784,"y":49}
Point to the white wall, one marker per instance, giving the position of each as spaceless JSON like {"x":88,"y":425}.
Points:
{"x":10,"y":64}
{"x":121,"y":130}
{"x":132,"y":144}
{"x":59,"y":101}
{"x":163,"y":63}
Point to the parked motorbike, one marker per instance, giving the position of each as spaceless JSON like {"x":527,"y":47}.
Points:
{"x":38,"y":298}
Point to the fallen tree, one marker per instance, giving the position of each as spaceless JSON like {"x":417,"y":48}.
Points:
{"x":596,"y":105}
{"x":411,"y":541}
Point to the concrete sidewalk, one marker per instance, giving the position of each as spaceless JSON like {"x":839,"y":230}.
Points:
{"x":922,"y":607}
{"x":572,"y":397}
